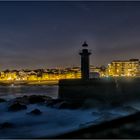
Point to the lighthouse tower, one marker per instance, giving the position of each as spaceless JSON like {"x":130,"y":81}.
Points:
{"x":85,"y":61}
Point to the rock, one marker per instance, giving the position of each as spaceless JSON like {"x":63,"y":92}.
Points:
{"x":2,"y":100}
{"x":17,"y":107}
{"x":38,"y":99}
{"x":53,"y":102}
{"x":35,"y":112}
{"x":33,"y":99}
{"x":68,"y":105}
{"x":61,"y":104}
{"x":6,"y":125}
{"x":22,"y":100}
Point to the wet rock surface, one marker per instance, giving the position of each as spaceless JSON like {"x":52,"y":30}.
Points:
{"x":32,"y":99}
{"x":68,"y":105}
{"x":22,"y":100}
{"x":17,"y":107}
{"x":35,"y":112}
{"x":38,"y":99}
{"x":6,"y":125}
{"x":2,"y":100}
{"x":53,"y":102}
{"x":61,"y":104}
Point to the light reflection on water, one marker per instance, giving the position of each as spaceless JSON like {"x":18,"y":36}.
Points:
{"x":9,"y":92}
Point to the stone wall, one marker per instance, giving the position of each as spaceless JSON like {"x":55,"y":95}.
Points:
{"x":101,"y":89}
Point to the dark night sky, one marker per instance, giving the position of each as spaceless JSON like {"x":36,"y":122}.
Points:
{"x":50,"y":34}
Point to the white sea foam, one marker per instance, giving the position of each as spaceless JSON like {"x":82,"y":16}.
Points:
{"x":51,"y":121}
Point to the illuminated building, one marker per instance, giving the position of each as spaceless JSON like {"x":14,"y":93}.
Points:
{"x":32,"y":77}
{"x":128,"y":68}
{"x":101,"y":71}
{"x":45,"y":76}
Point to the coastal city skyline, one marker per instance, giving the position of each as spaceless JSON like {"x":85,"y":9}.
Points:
{"x":50,"y":34}
{"x":117,"y":68}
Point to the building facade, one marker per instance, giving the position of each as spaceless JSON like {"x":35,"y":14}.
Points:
{"x":127,"y":68}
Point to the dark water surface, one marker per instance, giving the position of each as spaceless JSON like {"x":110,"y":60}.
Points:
{"x":9,"y":92}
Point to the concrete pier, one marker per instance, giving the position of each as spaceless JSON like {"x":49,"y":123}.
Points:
{"x":108,"y":90}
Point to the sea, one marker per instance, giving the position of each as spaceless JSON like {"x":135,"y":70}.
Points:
{"x":52,"y":121}
{"x":12,"y":91}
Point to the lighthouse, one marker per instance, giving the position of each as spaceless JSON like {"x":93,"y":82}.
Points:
{"x":85,"y":53}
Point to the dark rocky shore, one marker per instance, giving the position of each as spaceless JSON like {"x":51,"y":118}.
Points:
{"x":21,"y":103}
{"x":126,"y":127}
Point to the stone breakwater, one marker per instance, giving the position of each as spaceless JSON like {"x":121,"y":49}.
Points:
{"x":105,"y":90}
